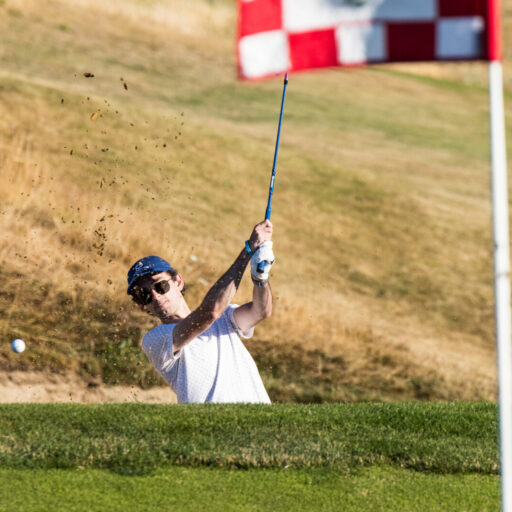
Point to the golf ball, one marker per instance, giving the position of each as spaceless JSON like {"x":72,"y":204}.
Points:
{"x":18,"y":346}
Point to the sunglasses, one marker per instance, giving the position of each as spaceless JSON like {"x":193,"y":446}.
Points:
{"x":143,"y":296}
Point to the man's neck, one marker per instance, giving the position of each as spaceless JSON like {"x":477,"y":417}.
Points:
{"x":179,"y":315}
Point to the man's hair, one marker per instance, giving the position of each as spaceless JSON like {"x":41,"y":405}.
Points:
{"x":173,"y":273}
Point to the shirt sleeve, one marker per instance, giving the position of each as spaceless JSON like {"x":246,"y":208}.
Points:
{"x":158,"y":346}
{"x":231,"y":319}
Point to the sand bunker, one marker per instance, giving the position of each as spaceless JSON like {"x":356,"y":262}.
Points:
{"x":17,"y":387}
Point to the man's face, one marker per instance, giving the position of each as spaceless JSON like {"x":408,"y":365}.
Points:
{"x":163,"y":304}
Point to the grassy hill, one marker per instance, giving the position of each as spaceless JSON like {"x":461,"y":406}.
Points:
{"x":383,"y":280}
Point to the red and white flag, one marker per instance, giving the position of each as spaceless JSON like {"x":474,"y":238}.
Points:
{"x":275,"y":36}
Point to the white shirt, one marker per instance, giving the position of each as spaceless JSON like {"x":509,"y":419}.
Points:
{"x":214,"y":367}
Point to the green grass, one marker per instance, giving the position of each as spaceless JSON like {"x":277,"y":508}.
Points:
{"x":138,"y":438}
{"x":386,"y":457}
{"x":213,"y":489}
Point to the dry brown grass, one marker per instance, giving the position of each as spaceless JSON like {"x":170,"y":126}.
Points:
{"x":383,"y":255}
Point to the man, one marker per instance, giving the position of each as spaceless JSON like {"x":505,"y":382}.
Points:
{"x":199,"y":353}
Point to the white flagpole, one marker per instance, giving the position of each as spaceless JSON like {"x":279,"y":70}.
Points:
{"x":501,"y":247}
{"x":501,"y":275}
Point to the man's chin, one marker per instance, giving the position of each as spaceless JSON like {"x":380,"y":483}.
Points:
{"x":159,"y":314}
{"x":163,"y":314}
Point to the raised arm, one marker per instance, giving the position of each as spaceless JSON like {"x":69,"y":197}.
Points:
{"x":248,"y":315}
{"x":220,"y":294}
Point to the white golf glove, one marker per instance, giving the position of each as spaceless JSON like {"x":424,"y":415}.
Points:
{"x":261,"y":263}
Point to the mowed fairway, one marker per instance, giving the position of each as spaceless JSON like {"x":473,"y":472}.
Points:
{"x":209,"y":489}
{"x":409,"y":456}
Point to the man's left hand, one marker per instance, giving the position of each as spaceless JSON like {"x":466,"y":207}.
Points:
{"x":261,"y":262}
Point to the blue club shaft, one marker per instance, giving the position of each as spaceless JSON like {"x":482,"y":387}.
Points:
{"x":273,"y":177}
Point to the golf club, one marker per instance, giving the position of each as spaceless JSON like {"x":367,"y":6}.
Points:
{"x":268,"y":211}
{"x":272,"y":178}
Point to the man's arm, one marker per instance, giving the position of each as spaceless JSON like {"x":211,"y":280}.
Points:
{"x":248,"y":315}
{"x":220,"y":294}
{"x":213,"y":305}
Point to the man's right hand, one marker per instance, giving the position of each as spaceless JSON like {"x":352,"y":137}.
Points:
{"x":262,"y":232}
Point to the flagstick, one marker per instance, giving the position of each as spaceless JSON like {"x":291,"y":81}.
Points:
{"x":501,"y":247}
{"x":501,"y":274}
